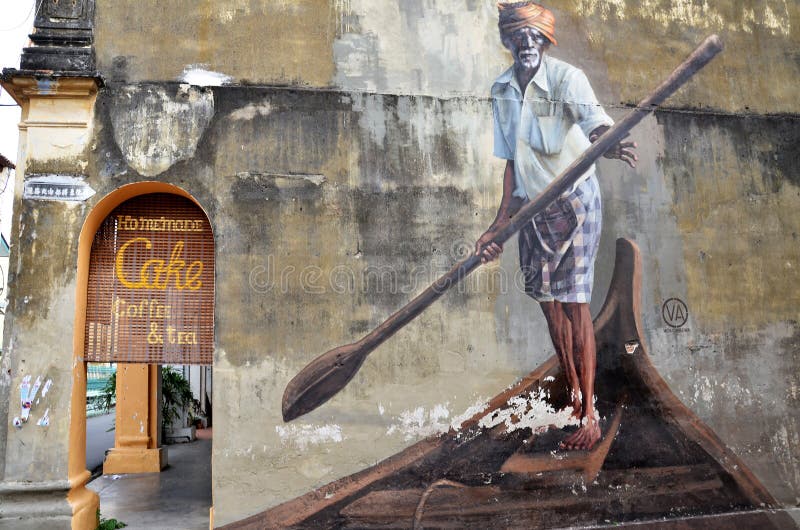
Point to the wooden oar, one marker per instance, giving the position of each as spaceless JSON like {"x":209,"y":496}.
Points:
{"x":330,"y":372}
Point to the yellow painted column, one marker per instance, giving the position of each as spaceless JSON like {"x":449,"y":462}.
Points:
{"x":55,"y":132}
{"x":136,"y":439}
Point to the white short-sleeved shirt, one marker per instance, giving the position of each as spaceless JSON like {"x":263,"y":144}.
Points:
{"x":547,"y":128}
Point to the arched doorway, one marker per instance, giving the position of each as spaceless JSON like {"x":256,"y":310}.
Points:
{"x":145,"y":298}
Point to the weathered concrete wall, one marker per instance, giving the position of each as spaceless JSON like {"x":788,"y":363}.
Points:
{"x":325,"y":222}
{"x":450,"y":47}
{"x":332,"y":207}
{"x":37,"y":361}
{"x":736,"y":200}
{"x":40,"y":320}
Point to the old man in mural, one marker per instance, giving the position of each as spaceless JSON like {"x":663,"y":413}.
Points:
{"x":545,"y":116}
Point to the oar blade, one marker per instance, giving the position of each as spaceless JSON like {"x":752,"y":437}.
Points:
{"x":321,"y":379}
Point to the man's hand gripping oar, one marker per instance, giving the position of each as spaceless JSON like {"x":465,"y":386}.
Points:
{"x":326,"y":375}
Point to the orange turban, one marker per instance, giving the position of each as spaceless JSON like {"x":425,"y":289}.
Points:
{"x":514,"y":16}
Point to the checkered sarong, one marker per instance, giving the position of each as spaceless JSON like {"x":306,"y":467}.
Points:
{"x":557,"y":250}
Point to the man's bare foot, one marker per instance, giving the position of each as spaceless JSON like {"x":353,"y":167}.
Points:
{"x":584,"y":438}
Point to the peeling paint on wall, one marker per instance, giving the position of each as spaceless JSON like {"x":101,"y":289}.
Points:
{"x":28,"y":399}
{"x":28,"y":394}
{"x":304,"y":435}
{"x":44,"y":421}
{"x":530,"y":412}
{"x":419,"y":422}
{"x":479,"y":406}
{"x":198,"y":75}
{"x":46,"y":388}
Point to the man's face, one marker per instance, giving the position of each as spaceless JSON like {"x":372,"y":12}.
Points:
{"x":527,"y":45}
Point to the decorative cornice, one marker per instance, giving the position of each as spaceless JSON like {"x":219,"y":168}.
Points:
{"x":23,"y":85}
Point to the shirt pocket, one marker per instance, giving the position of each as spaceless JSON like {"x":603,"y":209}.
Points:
{"x":552,"y":127}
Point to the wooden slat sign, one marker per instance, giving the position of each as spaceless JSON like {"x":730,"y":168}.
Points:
{"x":151,"y":284}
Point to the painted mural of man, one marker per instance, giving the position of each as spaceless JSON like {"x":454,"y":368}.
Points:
{"x":545,"y":116}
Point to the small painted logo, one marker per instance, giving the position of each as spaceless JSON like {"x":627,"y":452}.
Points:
{"x":675,"y":313}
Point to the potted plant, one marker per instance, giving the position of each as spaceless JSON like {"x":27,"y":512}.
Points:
{"x":107,"y":398}
{"x":177,"y":402}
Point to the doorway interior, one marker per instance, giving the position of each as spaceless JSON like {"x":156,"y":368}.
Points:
{"x":144,"y":309}
{"x":180,"y":495}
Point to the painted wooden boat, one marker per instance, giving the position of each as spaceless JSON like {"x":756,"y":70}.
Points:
{"x":658,"y":462}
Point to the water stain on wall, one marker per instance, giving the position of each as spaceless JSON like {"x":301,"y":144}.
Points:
{"x":156,"y":126}
{"x":735,"y":188}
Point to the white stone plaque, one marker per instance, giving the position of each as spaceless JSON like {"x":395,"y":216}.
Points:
{"x":65,"y":188}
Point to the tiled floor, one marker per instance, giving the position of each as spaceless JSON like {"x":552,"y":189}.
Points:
{"x":177,"y":498}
